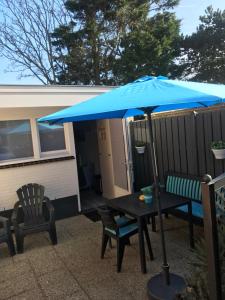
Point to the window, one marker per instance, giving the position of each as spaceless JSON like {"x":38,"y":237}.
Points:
{"x":15,"y":140}
{"x":51,"y":137}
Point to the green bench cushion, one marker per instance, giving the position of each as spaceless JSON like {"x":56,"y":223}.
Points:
{"x":185,"y":187}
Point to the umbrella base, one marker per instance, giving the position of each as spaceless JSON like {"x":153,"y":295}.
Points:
{"x":159,"y":290}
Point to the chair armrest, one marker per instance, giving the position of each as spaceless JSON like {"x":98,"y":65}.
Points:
{"x":5,"y":222}
{"x":50,"y":209}
{"x":14,"y":217}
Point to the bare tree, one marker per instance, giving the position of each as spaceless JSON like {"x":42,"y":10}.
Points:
{"x":25,"y":36}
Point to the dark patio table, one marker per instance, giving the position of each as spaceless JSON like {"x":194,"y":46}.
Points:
{"x":131,"y":205}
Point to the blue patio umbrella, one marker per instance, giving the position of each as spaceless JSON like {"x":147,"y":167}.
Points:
{"x":147,"y":95}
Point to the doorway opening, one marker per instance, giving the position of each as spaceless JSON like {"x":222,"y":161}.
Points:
{"x":88,"y":165}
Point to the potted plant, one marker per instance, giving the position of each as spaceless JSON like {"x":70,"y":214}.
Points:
{"x":218,"y":149}
{"x":140,"y":147}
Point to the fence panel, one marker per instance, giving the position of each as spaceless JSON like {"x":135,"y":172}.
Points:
{"x":183,"y":144}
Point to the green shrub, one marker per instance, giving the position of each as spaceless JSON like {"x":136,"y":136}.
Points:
{"x":218,"y":145}
{"x":140,"y":144}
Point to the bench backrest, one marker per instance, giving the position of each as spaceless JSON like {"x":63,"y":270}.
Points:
{"x":188,"y":187}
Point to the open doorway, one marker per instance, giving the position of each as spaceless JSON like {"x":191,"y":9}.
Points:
{"x":88,"y":165}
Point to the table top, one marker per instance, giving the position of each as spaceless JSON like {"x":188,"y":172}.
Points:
{"x":130,"y":204}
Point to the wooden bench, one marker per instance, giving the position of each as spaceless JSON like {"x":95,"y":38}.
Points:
{"x":186,"y":186}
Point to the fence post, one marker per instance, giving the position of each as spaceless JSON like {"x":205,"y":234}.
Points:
{"x":211,"y":238}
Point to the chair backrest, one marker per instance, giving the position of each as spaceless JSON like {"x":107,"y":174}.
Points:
{"x":31,"y":198}
{"x":107,"y":218}
{"x":184,"y":185}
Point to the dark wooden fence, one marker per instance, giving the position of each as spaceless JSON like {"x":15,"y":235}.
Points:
{"x":183,"y":144}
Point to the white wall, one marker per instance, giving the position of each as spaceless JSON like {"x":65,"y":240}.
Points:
{"x":59,"y":178}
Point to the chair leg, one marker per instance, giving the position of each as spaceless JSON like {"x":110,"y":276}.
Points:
{"x":105,"y":239}
{"x":120,"y":252}
{"x":127,"y":242}
{"x":153,"y":224}
{"x":20,"y":243}
{"x":190,"y":223}
{"x":110,"y":243}
{"x":53,"y":235}
{"x":11,"y":246}
{"x":148,"y":242}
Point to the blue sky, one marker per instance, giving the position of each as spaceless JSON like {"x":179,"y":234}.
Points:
{"x":188,"y":11}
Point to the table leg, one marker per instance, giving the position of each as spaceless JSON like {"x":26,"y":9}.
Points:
{"x":148,"y":241}
{"x":153,"y":224}
{"x":141,"y":245}
{"x":191,"y":231}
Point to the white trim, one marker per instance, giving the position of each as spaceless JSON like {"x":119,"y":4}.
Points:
{"x":35,"y":139}
{"x":47,"y":96}
{"x":31,"y":159}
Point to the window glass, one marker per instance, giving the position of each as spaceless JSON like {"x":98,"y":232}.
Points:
{"x":51,"y":137}
{"x":15,"y":140}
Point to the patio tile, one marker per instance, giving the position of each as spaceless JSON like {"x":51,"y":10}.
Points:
{"x":45,"y":262}
{"x":80,"y":295}
{"x":28,"y":295}
{"x":58,"y":284}
{"x":14,"y":271}
{"x":17,"y":285}
{"x":108,"y":288}
{"x":5,"y":259}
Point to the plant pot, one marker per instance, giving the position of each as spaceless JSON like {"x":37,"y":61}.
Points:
{"x":140,"y":150}
{"x":219,"y":153}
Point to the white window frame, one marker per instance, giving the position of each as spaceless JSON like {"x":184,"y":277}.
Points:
{"x":54,"y":153}
{"x":37,"y":154}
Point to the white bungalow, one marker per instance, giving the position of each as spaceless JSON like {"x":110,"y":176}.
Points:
{"x":31,"y":152}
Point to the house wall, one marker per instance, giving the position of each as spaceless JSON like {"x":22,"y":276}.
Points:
{"x":59,"y":177}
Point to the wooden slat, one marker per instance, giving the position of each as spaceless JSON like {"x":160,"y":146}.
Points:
{"x":217,"y":136}
{"x":164,"y":146}
{"x":169,"y":144}
{"x":200,"y":138}
{"x":176,"y":145}
{"x":191,"y":146}
{"x":208,"y":140}
{"x":182,"y":143}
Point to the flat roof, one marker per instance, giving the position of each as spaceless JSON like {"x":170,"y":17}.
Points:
{"x":12,"y":96}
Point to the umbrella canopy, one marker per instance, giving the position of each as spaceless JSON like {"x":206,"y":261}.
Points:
{"x":158,"y":93}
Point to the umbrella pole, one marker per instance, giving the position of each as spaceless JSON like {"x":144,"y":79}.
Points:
{"x":165,"y":285}
{"x":165,"y":265}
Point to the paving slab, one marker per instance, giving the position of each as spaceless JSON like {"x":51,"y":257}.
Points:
{"x":59,"y":284}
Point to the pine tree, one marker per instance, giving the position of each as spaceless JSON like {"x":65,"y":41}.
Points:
{"x":203,"y":52}
{"x":113,"y":42}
